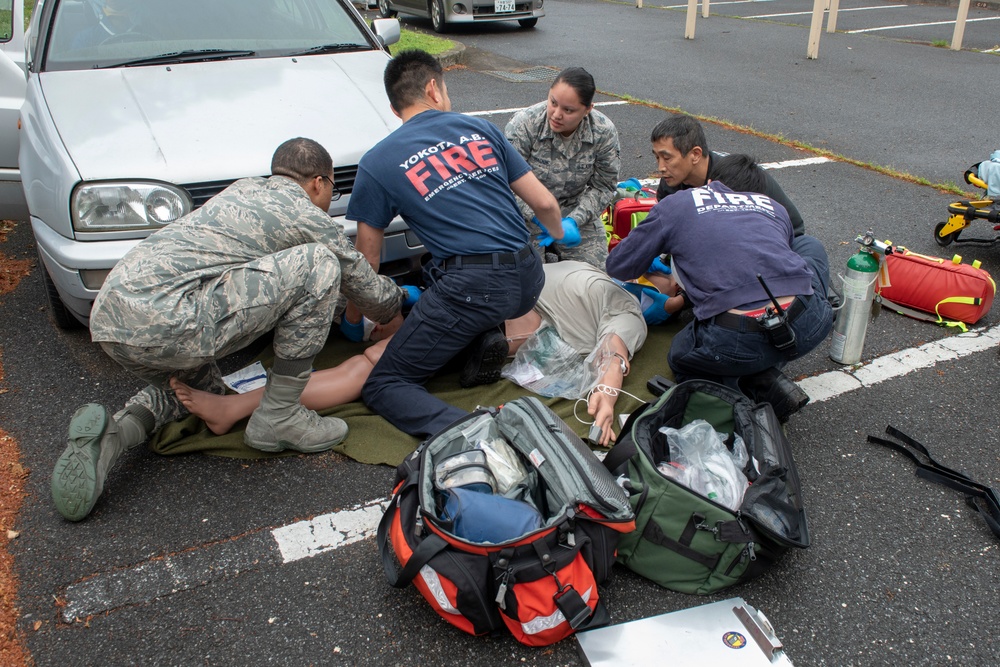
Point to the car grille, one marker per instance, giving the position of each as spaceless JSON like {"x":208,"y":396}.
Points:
{"x":200,"y":193}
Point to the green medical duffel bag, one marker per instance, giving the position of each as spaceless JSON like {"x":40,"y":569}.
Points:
{"x":686,"y":541}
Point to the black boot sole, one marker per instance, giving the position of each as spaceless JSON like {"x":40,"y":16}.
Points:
{"x":487,"y":355}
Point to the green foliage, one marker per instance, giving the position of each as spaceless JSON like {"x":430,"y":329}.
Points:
{"x":5,"y":23}
{"x":410,"y":39}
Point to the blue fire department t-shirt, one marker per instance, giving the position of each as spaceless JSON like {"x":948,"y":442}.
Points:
{"x":448,"y":176}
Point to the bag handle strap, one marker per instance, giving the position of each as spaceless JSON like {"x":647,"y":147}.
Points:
{"x":988,"y":507}
{"x":428,"y":548}
{"x":927,"y":317}
{"x":624,"y":448}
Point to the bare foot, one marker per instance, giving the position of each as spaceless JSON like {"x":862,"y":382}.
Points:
{"x":219,"y":413}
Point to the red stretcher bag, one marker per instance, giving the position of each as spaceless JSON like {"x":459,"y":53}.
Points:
{"x":938,"y":290}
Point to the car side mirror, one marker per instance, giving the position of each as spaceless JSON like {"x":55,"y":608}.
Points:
{"x":386,"y":30}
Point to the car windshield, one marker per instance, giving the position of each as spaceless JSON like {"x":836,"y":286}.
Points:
{"x":89,"y":34}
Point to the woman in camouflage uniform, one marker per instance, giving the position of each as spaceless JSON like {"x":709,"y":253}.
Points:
{"x":574,"y":151}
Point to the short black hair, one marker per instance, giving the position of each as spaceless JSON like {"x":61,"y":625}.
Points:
{"x":579,"y":80}
{"x":739,"y":173}
{"x":301,"y":159}
{"x":686,"y":133}
{"x":406,"y":77}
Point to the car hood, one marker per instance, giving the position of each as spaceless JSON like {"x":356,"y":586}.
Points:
{"x":195,"y":122}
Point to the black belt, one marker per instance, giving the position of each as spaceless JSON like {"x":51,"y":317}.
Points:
{"x":736,"y":322}
{"x":491,"y":259}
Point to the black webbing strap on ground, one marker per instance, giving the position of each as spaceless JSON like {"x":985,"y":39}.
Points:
{"x":981,"y":498}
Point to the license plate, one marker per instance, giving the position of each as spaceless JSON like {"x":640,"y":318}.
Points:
{"x":501,"y":6}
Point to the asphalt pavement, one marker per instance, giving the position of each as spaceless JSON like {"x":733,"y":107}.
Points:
{"x":186,"y":560}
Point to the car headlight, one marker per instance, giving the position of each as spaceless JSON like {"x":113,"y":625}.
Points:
{"x":125,"y":206}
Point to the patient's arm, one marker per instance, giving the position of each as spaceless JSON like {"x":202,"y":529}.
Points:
{"x":601,"y":404}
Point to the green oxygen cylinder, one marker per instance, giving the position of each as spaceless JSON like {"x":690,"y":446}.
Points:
{"x":852,"y":321}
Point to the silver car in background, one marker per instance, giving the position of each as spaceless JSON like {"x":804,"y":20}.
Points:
{"x":443,"y":13}
{"x":129,"y":124}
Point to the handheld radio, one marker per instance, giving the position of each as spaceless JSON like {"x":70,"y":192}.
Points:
{"x":775,"y":321}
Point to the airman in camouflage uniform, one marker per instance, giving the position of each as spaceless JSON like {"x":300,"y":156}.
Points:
{"x":263,"y":255}
{"x":580,"y":169}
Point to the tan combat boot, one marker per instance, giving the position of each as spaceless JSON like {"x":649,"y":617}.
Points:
{"x":281,"y":422}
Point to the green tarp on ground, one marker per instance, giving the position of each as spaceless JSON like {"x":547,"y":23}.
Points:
{"x":373,"y":440}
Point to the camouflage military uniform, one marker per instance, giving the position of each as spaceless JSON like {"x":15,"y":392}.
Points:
{"x":581,"y":171}
{"x":258,"y":257}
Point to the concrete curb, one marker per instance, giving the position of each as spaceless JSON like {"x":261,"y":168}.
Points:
{"x":454,"y":56}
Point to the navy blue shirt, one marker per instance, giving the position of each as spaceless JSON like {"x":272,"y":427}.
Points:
{"x":448,"y":176}
{"x":771,"y":189}
{"x":719,"y":240}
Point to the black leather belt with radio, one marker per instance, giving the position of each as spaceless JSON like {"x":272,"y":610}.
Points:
{"x":748,"y":322}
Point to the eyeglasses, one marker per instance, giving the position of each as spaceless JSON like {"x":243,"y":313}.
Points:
{"x":336,"y":192}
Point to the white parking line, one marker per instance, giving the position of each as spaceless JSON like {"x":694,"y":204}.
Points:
{"x":516,"y":109}
{"x":327,"y":532}
{"x":921,"y":25}
{"x":802,"y":162}
{"x":830,"y":385}
{"x":839,"y":11}
{"x":716,"y":4}
{"x":163,"y":576}
{"x":795,"y":163}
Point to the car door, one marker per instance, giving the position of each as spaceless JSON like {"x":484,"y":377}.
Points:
{"x":12,"y":85}
{"x":419,"y":6}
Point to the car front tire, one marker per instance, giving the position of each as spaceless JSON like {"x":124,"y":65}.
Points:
{"x":528,"y":23}
{"x":437,"y":16}
{"x":385,"y":9}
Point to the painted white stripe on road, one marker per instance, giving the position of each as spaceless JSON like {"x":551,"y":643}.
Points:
{"x":716,"y":4}
{"x":327,"y":532}
{"x":167,"y":575}
{"x":839,"y":11}
{"x":920,"y":25}
{"x":833,"y":384}
{"x":802,"y":162}
{"x":795,"y":163}
{"x":516,"y":109}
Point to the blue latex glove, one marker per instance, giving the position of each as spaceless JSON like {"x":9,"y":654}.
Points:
{"x":544,"y":239}
{"x":571,"y":234}
{"x":658,"y":266}
{"x":412,"y":294}
{"x":630,"y":185}
{"x":354,"y":332}
{"x":656,"y":312}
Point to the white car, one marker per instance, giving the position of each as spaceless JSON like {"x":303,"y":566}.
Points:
{"x":135,"y":112}
{"x":443,"y":13}
{"x":12,"y":83}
